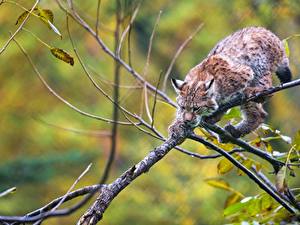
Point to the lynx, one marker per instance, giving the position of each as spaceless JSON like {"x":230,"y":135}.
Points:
{"x":242,"y":63}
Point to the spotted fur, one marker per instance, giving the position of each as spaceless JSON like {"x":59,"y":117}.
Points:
{"x":242,"y":63}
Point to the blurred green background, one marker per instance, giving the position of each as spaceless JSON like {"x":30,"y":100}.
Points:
{"x":43,"y":161}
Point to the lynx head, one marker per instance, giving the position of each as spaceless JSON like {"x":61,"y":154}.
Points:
{"x":195,"y":99}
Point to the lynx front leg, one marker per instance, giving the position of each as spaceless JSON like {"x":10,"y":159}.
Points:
{"x":260,"y":85}
{"x":214,"y":119}
{"x":253,"y":116}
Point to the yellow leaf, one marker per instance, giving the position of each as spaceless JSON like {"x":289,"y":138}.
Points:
{"x":266,"y":202}
{"x":62,"y":55}
{"x":232,"y":199}
{"x":248,"y":164}
{"x":218,"y":183}
{"x":22,"y":17}
{"x":46,"y":14}
{"x":224,"y":166}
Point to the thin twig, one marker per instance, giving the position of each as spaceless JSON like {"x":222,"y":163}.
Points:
{"x":111,"y":83}
{"x":68,"y":192}
{"x":145,"y":70}
{"x":94,"y":133}
{"x":73,"y":185}
{"x":179,"y":50}
{"x":19,"y":28}
{"x":97,"y":18}
{"x":127,"y":29}
{"x":58,"y":96}
{"x":155,"y":99}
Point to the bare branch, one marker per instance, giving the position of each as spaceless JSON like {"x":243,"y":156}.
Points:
{"x":135,"y":74}
{"x":94,"y":133}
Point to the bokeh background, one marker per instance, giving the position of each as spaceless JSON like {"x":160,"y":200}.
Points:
{"x":42,"y":160}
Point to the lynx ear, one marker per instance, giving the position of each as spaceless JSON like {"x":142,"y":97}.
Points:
{"x":177,"y":84}
{"x":209,"y":84}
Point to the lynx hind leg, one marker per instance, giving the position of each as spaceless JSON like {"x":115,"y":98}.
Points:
{"x":284,"y":74}
{"x":253,"y":116}
{"x":283,"y":71}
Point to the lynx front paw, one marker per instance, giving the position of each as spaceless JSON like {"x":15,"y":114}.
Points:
{"x":254,"y":91}
{"x":233,"y":131}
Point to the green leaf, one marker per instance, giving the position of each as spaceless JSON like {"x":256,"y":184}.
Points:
{"x":224,"y":166}
{"x":296,"y":140}
{"x":234,"y":209}
{"x":232,"y":199}
{"x":62,"y":55}
{"x":218,"y":183}
{"x":8,"y":191}
{"x":266,"y":202}
{"x":254,"y":207}
{"x":233,"y":113}
{"x":286,"y":47}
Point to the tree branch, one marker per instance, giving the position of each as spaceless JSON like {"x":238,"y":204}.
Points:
{"x":178,"y":134}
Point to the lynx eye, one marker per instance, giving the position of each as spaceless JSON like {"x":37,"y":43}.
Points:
{"x":182,"y":107}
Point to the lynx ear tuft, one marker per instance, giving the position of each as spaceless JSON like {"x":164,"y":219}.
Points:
{"x":177,"y":84}
{"x":209,"y":84}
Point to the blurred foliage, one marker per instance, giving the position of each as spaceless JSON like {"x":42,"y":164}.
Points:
{"x":42,"y":161}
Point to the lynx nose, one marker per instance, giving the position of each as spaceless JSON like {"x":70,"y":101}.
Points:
{"x":188,"y":117}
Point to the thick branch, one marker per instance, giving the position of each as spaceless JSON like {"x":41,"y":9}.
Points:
{"x":108,"y":193}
